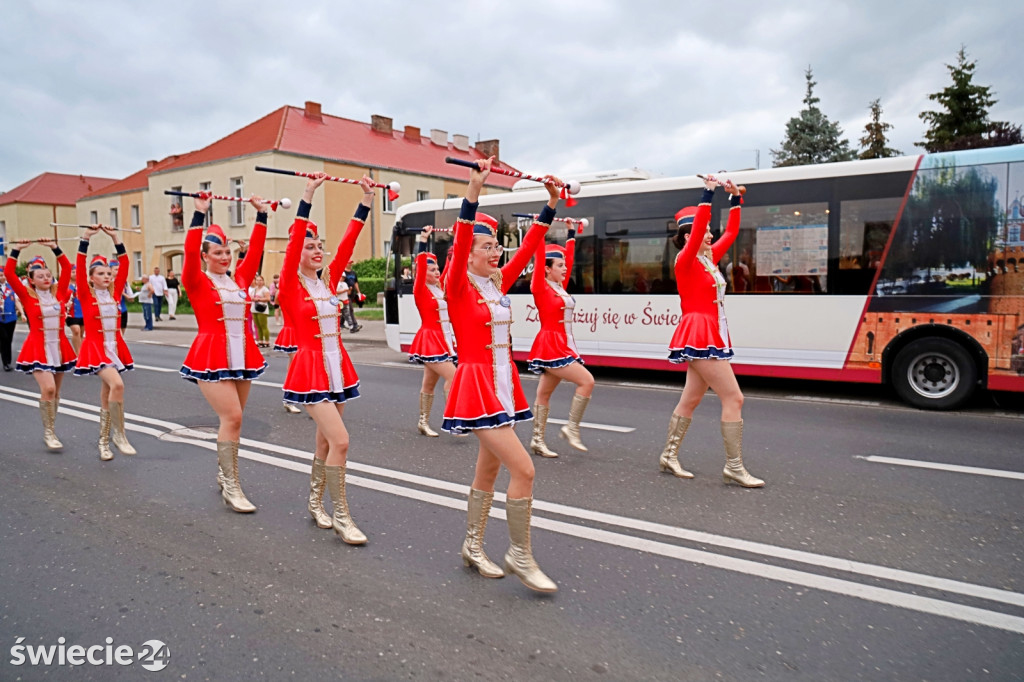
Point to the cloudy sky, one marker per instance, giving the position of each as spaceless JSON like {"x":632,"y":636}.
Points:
{"x":567,"y":86}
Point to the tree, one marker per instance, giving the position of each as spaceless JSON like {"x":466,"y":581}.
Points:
{"x":874,"y":143}
{"x":811,"y":137}
{"x":962,"y":122}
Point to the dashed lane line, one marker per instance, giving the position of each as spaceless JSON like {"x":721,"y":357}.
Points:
{"x":939,"y":466}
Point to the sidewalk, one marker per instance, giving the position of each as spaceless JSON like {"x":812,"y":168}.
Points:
{"x":183,"y":329}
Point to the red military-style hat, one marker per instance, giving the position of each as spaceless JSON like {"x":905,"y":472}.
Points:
{"x":485,"y":225}
{"x":98,"y":262}
{"x":431,"y":257}
{"x":215,"y":235}
{"x":685,"y":216}
{"x":37,"y":263}
{"x":554,"y":251}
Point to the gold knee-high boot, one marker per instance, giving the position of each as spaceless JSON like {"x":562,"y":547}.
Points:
{"x":732,"y":435}
{"x":105,"y":452}
{"x":426,"y":402}
{"x":342,"y":520}
{"x":227,"y":458}
{"x":479,"y":509}
{"x":669,"y":460}
{"x":117,"y":431}
{"x":48,"y":411}
{"x":317,"y":483}
{"x":540,"y":422}
{"x":290,"y":409}
{"x":571,"y":431}
{"x":519,"y":558}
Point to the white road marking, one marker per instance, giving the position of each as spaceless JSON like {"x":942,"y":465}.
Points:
{"x":839,"y":586}
{"x":161,"y":343}
{"x":834,"y":401}
{"x":955,"y":468}
{"x":153,"y":368}
{"x":599,"y":427}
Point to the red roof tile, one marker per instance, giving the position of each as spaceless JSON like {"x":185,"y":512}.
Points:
{"x":343,"y":140}
{"x":58,"y":189}
{"x":136,"y":181}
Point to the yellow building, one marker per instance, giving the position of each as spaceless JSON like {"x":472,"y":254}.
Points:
{"x":299,"y":139}
{"x":27,"y":211}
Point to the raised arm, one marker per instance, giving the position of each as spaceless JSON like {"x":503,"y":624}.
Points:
{"x":64,"y":281}
{"x":82,"y":269}
{"x":570,"y":257}
{"x":517,"y":263}
{"x":246,"y":271}
{"x":732,"y":229}
{"x":191,"y":269}
{"x":11,"y":270}
{"x":537,"y":280}
{"x":697,"y":233}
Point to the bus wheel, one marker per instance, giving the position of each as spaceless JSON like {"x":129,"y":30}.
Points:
{"x":934,"y":374}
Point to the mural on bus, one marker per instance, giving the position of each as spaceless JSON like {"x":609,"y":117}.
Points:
{"x":956,"y":258}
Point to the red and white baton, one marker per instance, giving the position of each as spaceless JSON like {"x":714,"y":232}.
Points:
{"x":569,"y":189}
{"x":283,"y":203}
{"x":393,"y":187}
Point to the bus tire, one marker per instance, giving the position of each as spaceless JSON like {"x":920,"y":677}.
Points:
{"x":934,"y":374}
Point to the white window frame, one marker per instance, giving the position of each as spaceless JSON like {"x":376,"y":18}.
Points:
{"x":422,"y":194}
{"x":237,"y":208}
{"x":137,"y":259}
{"x":94,"y":217}
{"x":136,"y":215}
{"x":113,"y":218}
{"x":207,"y":187}
{"x":386,"y":204}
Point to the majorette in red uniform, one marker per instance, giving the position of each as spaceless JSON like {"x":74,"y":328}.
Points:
{"x":104,"y":351}
{"x":286,"y":343}
{"x":485,"y":395}
{"x":434,"y":343}
{"x":554,"y":355}
{"x":46,"y":353}
{"x":223,"y":358}
{"x":702,"y":336}
{"x":321,"y":377}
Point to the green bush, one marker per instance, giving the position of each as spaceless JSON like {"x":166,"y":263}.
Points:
{"x":377,"y":268}
{"x":371,"y":286}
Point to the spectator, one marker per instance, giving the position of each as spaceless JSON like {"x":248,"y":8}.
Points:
{"x":173,"y":291}
{"x":159,"y":285}
{"x":353,"y":285}
{"x":274,"y":307}
{"x":146,"y":299}
{"x":345,"y":304}
{"x":259,"y":292}
{"x":74,"y":319}
{"x":10,"y":311}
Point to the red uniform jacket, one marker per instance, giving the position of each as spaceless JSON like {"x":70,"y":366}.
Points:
{"x":33,"y":353}
{"x":431,"y":343}
{"x":93,"y":355}
{"x":553,"y":346}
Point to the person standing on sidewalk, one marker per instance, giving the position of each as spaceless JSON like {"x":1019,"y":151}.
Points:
{"x":9,"y":315}
{"x":345,"y":303}
{"x":145,"y":297}
{"x":159,"y":284}
{"x":173,"y":292}
{"x":259,"y":292}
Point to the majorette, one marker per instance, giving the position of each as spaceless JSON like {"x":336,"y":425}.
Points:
{"x":554,"y":354}
{"x":321,"y":376}
{"x":702,"y":336}
{"x":434,"y":343}
{"x":223,"y":358}
{"x":104,"y":351}
{"x":486,"y":397}
{"x":46,"y":353}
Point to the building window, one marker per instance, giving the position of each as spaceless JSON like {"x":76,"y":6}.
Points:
{"x":451,"y":196}
{"x":137,"y":258}
{"x":94,"y":217}
{"x":113,"y":218}
{"x":422,"y":194}
{"x":135,"y":215}
{"x":207,"y":187}
{"x":177,"y":215}
{"x":237,"y":207}
{"x":387,"y":205}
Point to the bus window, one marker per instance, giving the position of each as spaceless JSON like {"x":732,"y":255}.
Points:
{"x":637,"y":265}
{"x":864,"y":228}
{"x":780,"y":249}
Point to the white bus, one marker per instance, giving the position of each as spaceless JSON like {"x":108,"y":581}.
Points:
{"x":908,"y":271}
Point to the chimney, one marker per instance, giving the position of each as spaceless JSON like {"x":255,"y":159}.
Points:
{"x":412,"y":133}
{"x":488,"y":148}
{"x":461,"y":142}
{"x":439,"y":137}
{"x":150,"y":163}
{"x":381,"y":124}
{"x":313,"y":112}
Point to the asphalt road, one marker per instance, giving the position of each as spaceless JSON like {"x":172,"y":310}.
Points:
{"x":854,"y":562}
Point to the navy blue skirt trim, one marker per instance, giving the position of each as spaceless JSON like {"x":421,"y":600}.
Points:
{"x":425,"y":359}
{"x":38,"y":366}
{"x":222,"y":374}
{"x":94,"y":369}
{"x":462,"y":426}
{"x":679,"y":355}
{"x":286,"y":349}
{"x":345,"y":395}
{"x":538,"y":366}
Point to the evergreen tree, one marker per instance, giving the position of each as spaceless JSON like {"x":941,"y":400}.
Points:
{"x":962,"y":122}
{"x":811,"y":137}
{"x":874,"y":143}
